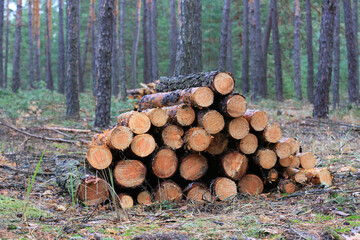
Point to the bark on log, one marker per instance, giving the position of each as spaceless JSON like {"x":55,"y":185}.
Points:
{"x":233,"y":105}
{"x":198,"y":193}
{"x":251,"y":184}
{"x":138,"y":122}
{"x":144,"y":198}
{"x":125,"y":200}
{"x":272,"y":133}
{"x":182,"y":115}
{"x":224,"y":188}
{"x":257,"y":119}
{"x":234,"y":165}
{"x":265,"y":158}
{"x":218,"y":144}
{"x":220,"y":82}
{"x":286,"y":186}
{"x":248,"y":144}
{"x":193,"y":166}
{"x":238,"y":128}
{"x":143,"y":145}
{"x":307,"y":160}
{"x":168,"y":191}
{"x":211,"y":120}
{"x":165,"y":163}
{"x":129,"y":173}
{"x":172,"y":136}
{"x":157,"y":116}
{"x":197,"y":139}
{"x":99,"y":157}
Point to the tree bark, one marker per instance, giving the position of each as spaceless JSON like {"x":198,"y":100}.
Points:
{"x":135,"y":45}
{"x":336,"y":64}
{"x":154,"y":45}
{"x":122,"y":51}
{"x":145,"y":43}
{"x":1,"y":42}
{"x":310,"y":55}
{"x":93,"y":49}
{"x":16,"y":82}
{"x":72,"y":58}
{"x":277,"y":53}
{"x":115,"y":53}
{"x":352,"y":55}
{"x":48,"y":72}
{"x":173,"y":35}
{"x":321,"y":101}
{"x":188,"y":56}
{"x":6,"y":44}
{"x":37,"y":39}
{"x":265,"y":47}
{"x":61,"y":50}
{"x":224,"y":36}
{"x":245,"y":59}
{"x":297,"y":56}
{"x":255,"y":52}
{"x":356,"y":24}
{"x":229,"y":58}
{"x":105,"y":32}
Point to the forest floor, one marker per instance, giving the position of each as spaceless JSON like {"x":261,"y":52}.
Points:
{"x":313,"y":212}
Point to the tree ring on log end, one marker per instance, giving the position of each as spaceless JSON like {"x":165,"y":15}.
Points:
{"x":251,"y":184}
{"x":99,"y":157}
{"x":204,"y":97}
{"x":236,"y":106}
{"x":223,"y":83}
{"x":130,"y":173}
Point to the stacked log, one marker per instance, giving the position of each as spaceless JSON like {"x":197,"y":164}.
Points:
{"x":197,"y":140}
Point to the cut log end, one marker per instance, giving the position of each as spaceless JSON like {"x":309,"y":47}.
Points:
{"x":212,"y":121}
{"x":165,"y":163}
{"x":138,"y":122}
{"x":295,"y":174}
{"x":257,"y":119}
{"x":295,"y":162}
{"x":198,"y":193}
{"x":182,"y":115}
{"x":130,"y":173}
{"x":266,"y":158}
{"x":203,"y":97}
{"x":272,"y":133}
{"x":307,"y":160}
{"x":286,"y":162}
{"x":172,"y":136}
{"x":287,"y":186}
{"x":234,"y":165}
{"x":157,"y":116}
{"x":236,"y":106}
{"x":223,"y":83}
{"x":168,"y":191}
{"x":144,"y":198}
{"x":224,"y":188}
{"x":238,"y":128}
{"x":295,"y":145}
{"x":283,"y":150}
{"x":218,"y":144}
{"x":193,"y":167}
{"x":319,"y":176}
{"x":143,"y":145}
{"x":197,"y":139}
{"x":99,"y":157}
{"x":121,"y":137}
{"x":272,"y":175}
{"x":93,"y":190}
{"x":248,"y":144}
{"x":251,"y":184}
{"x":125,"y":201}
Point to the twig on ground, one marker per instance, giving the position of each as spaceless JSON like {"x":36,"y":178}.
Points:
{"x":318,"y":191}
{"x":354,"y":127}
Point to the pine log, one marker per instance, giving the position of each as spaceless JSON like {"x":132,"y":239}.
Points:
{"x":233,"y":105}
{"x":99,"y":157}
{"x":272,"y":175}
{"x":193,"y":166}
{"x":295,"y":145}
{"x":318,"y":176}
{"x":286,"y":186}
{"x":138,"y":122}
{"x":211,"y":120}
{"x":272,"y":133}
{"x":265,"y":158}
{"x":144,"y":198}
{"x":248,"y":144}
{"x":129,"y":173}
{"x":218,"y":144}
{"x":295,"y":162}
{"x":194,"y":97}
{"x":93,"y":190}
{"x":234,"y":165}
{"x":182,"y":115}
{"x":251,"y":184}
{"x":282,"y":149}
{"x":172,"y":136}
{"x":157,"y":116}
{"x":197,"y":139}
{"x":120,"y":137}
{"x":295,"y":174}
{"x":198,"y":192}
{"x":164,"y":163}
{"x":125,"y":200}
{"x":101,"y":139}
{"x":286,"y":162}
{"x":307,"y":160}
{"x":224,"y":188}
{"x":168,"y":191}
{"x":257,"y":119}
{"x":220,"y":82}
{"x":238,"y":128}
{"x":143,"y":145}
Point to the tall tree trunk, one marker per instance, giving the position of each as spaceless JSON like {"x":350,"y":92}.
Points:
{"x":265,"y":47}
{"x":36,"y":27}
{"x":323,"y":79}
{"x":188,"y":56}
{"x":135,"y":45}
{"x":310,"y":55}
{"x":122,"y":51}
{"x":229,"y":58}
{"x":297,"y":56}
{"x":115,"y":52}
{"x":72,"y":58}
{"x":1,"y":42}
{"x":154,"y":45}
{"x":93,"y":49}
{"x":336,"y":65}
{"x":105,"y":32}
{"x":261,"y":89}
{"x":356,"y":24}
{"x":48,"y":72}
{"x":173,"y":37}
{"x":148,"y":37}
{"x":31,"y":45}
{"x":16,"y":82}
{"x":81,"y":82}
{"x":277,"y":53}
{"x":224,"y":35}
{"x":245,"y":86}
{"x":146,"y":68}
{"x":352,"y":55}
{"x":61,"y":50}
{"x":253,"y":63}
{"x":6,"y":43}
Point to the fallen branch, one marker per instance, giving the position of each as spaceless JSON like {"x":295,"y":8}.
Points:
{"x":68,"y":129}
{"x":24,"y":171}
{"x":354,"y":127}
{"x":318,"y":191}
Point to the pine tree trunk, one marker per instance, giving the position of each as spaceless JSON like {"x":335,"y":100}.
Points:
{"x":6,"y":44}
{"x":277,"y":53}
{"x":93,"y":49}
{"x":16,"y":82}
{"x":1,"y":42}
{"x":188,"y":56}
{"x":356,"y":24}
{"x":146,"y":68}
{"x":224,"y":36}
{"x":321,"y":101}
{"x":229,"y":59}
{"x":103,"y":97}
{"x":262,"y":88}
{"x":254,"y":63}
{"x":297,"y":56}
{"x":173,"y":35}
{"x":336,"y":65}
{"x":310,"y":55}
{"x":37,"y":39}
{"x":72,"y":58}
{"x":135,"y":45}
{"x":48,"y":72}
{"x":154,"y":45}
{"x":86,"y":47}
{"x":115,"y":53}
{"x":265,"y":47}
{"x":352,"y":55}
{"x":245,"y":59}
{"x":61,"y":50}
{"x":122,"y":51}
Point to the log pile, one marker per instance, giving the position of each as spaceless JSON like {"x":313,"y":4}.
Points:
{"x":197,"y":140}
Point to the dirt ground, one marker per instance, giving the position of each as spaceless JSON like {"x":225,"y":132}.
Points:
{"x":312,"y":212}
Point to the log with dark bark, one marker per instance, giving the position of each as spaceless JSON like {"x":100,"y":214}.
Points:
{"x":234,"y":165}
{"x":129,"y":173}
{"x":168,"y":191}
{"x":220,"y":82}
{"x":218,"y":144}
{"x":248,"y":144}
{"x":198,"y":192}
{"x":197,"y":139}
{"x":211,"y":120}
{"x":251,"y":184}
{"x":233,"y":105}
{"x":193,"y":166}
{"x":182,"y":115}
{"x":172,"y":136}
{"x":164,"y":163}
{"x":265,"y":158}
{"x":258,"y":120}
{"x":99,"y":157}
{"x":224,"y":188}
{"x":138,"y":122}
{"x":238,"y":128}
{"x":143,"y":145}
